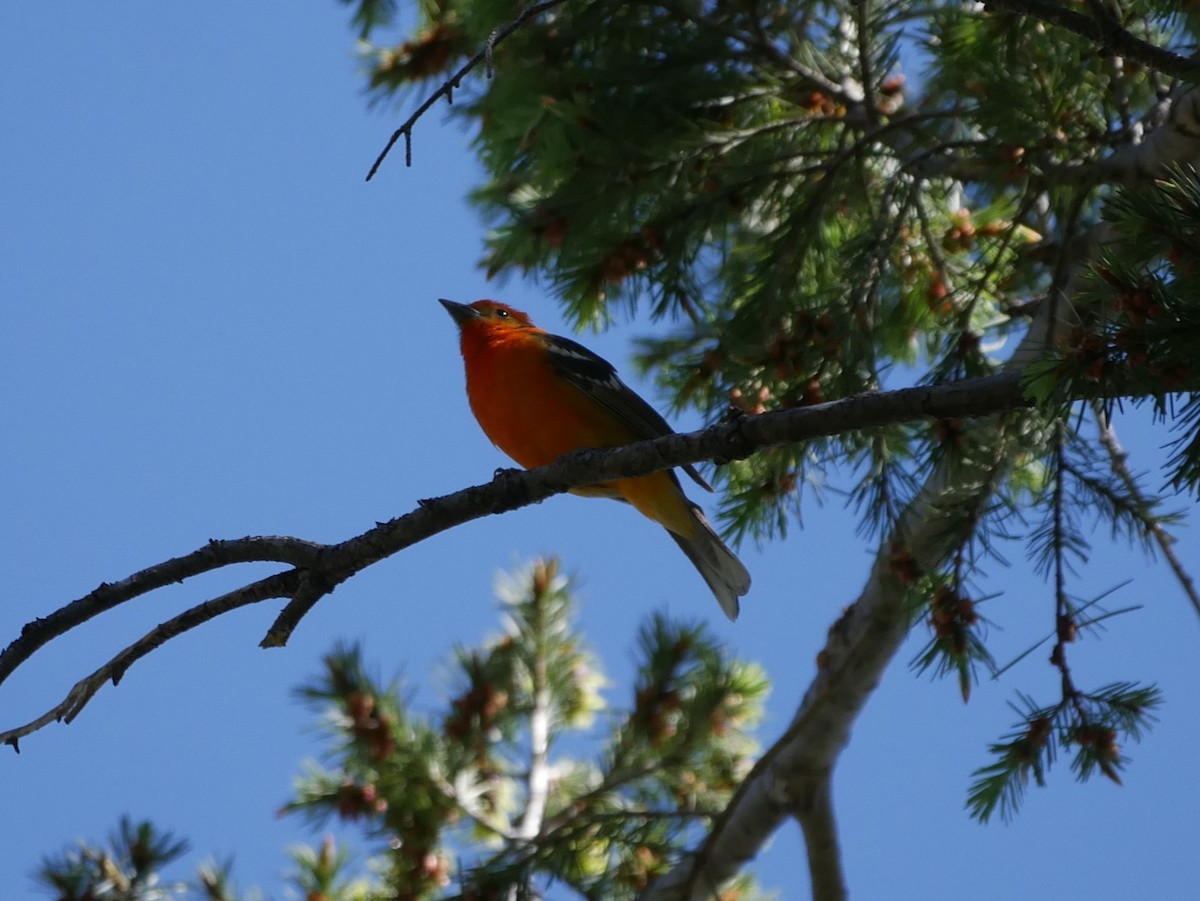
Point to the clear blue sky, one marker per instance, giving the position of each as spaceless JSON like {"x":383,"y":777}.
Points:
{"x":212,"y":328}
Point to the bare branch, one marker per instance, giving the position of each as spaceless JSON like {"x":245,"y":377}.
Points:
{"x":214,"y":555}
{"x":278,"y":585}
{"x":312,"y":587}
{"x":319,"y":569}
{"x":448,"y":86}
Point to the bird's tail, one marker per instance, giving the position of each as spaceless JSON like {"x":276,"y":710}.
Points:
{"x":719,"y":566}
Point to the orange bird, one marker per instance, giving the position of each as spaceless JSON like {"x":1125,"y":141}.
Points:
{"x":539,"y":396}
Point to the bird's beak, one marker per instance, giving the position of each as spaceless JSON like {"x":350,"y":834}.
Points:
{"x":460,"y":311}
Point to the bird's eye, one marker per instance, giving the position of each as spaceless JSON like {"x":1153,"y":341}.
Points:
{"x":501,"y":314}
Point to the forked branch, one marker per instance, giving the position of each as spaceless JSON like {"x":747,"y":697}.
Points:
{"x":317,"y":569}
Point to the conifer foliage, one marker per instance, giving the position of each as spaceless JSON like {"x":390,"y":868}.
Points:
{"x":825,"y":199}
{"x":815,"y":200}
{"x":534,"y":775}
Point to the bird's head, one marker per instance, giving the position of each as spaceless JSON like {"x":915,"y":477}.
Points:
{"x":490,"y":315}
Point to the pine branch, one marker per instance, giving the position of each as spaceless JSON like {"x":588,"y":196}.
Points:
{"x":1174,"y":142}
{"x":1166,"y":543}
{"x":538,"y":779}
{"x":860,"y":646}
{"x":1106,"y":32}
{"x":863,"y":642}
{"x":815,"y":814}
{"x":864,"y":33}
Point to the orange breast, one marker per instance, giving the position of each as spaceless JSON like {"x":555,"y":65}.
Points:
{"x":535,"y":417}
{"x":529,"y":412}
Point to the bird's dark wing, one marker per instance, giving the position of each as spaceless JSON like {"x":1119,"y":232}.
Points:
{"x":597,"y":378}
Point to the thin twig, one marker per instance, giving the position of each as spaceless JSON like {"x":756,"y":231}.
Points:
{"x":276,"y":586}
{"x":1065,"y":625}
{"x":447,"y":87}
{"x":213,"y":556}
{"x":1118,"y":459}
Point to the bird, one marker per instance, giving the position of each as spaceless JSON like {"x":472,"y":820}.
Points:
{"x":538,"y":396}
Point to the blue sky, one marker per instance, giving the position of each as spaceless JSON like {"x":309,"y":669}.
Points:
{"x":213,"y":327}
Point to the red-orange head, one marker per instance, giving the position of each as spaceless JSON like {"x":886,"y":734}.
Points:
{"x":485,"y":326}
{"x":486,"y":316}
